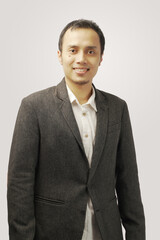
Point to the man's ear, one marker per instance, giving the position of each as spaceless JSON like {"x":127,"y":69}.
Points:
{"x":60,"y":56}
{"x":101,"y":60}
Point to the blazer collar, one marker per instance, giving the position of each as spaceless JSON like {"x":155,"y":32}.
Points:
{"x":67,"y":112}
{"x":61,"y":91}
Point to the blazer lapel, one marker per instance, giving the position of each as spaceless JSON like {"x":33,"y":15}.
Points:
{"x":101,"y":131}
{"x":67,"y":112}
{"x":102,"y":123}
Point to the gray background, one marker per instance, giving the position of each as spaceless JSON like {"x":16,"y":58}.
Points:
{"x":130,"y":69}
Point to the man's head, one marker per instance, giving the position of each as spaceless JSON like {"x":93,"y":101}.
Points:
{"x":81,"y":46}
{"x":82,"y":23}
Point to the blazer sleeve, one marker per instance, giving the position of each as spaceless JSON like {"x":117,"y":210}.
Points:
{"x":21,"y":174}
{"x":127,"y":186}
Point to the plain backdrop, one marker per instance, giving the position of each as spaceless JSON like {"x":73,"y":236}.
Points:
{"x":29,"y":32}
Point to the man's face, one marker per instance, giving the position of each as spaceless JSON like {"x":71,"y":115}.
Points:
{"x":80,"y":56}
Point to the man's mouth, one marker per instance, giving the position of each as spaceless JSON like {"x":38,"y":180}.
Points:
{"x":81,"y":70}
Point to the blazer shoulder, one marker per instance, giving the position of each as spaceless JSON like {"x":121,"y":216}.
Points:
{"x":112,"y":99}
{"x":40,"y":96}
{"x":42,"y":100}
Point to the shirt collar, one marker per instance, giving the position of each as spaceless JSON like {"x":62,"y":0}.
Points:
{"x":91,"y":100}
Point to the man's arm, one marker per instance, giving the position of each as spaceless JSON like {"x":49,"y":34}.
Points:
{"x":21,"y":174}
{"x":128,"y":190}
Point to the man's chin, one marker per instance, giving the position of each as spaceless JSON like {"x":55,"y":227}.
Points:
{"x":81,"y":82}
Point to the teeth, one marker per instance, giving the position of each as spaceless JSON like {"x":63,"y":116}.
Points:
{"x":81,"y":69}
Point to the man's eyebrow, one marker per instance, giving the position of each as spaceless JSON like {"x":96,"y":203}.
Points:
{"x":75,"y":46}
{"x":72,"y":46}
{"x":91,"y":47}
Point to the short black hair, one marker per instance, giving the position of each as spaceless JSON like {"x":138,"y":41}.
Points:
{"x":83,"y":23}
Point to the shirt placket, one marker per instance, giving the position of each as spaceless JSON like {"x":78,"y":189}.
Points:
{"x":86,"y":133}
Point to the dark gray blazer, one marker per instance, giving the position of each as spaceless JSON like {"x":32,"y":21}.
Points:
{"x":49,"y":179}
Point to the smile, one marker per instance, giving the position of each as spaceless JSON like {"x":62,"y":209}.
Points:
{"x":81,"y":70}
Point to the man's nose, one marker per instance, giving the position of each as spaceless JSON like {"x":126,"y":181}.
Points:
{"x":81,"y":58}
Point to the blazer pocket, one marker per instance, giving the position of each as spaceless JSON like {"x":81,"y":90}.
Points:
{"x":49,"y":200}
{"x":114,"y":127}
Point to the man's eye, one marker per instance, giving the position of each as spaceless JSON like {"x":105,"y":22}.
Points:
{"x":72,"y":50}
{"x":91,"y":52}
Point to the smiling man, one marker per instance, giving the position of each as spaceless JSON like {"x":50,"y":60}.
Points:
{"x":72,"y":170}
{"x":80,"y":56}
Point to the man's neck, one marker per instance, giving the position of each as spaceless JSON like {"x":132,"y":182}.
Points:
{"x":81,"y":91}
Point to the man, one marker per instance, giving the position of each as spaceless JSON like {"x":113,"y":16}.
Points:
{"x":72,"y":170}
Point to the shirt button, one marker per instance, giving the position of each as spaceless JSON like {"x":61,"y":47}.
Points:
{"x":84,"y":114}
{"x":86,"y":135}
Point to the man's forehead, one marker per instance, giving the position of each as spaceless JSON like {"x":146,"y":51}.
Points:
{"x":81,"y":30}
{"x":78,"y":34}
